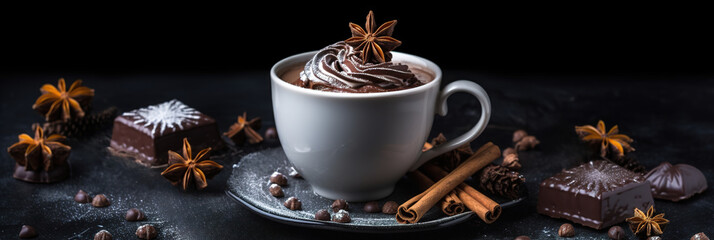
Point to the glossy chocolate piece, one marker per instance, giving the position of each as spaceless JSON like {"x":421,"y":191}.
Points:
{"x":58,"y":172}
{"x":147,"y":134}
{"x":676,"y":182}
{"x":597,"y":194}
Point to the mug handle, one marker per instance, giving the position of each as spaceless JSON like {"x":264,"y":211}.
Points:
{"x":458,"y":86}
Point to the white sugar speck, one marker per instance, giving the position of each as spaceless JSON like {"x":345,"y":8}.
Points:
{"x":169,"y":114}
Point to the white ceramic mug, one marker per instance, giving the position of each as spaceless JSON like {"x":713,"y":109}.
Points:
{"x":356,"y":146}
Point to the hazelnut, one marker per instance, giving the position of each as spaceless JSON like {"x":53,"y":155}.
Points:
{"x":278,"y":178}
{"x":566,"y":230}
{"x":340,"y":204}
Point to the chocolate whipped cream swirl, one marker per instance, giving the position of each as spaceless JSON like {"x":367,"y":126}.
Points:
{"x":338,"y":68}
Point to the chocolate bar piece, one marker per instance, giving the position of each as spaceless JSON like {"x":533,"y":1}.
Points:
{"x":597,"y":194}
{"x":676,"y":182}
{"x":147,"y":134}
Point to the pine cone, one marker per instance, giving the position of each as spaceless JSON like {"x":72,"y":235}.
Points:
{"x":501,"y":181}
{"x":80,"y":127}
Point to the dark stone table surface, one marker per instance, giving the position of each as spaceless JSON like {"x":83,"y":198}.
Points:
{"x":670,"y":118}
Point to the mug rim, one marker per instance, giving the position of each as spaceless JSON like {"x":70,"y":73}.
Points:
{"x":426,"y":62}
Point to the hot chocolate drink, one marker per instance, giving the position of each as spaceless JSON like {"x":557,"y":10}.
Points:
{"x":360,"y":64}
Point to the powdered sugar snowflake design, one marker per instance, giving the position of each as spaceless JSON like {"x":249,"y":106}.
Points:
{"x":169,"y":114}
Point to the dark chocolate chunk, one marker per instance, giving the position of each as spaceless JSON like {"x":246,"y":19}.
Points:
{"x":340,"y":204}
{"x":566,"y":230}
{"x":27,"y":231}
{"x":699,"y":236}
{"x":146,"y":231}
{"x":616,"y":233}
{"x":278,"y":178}
{"x":134,"y":214}
{"x":293,"y":203}
{"x":390,"y":207}
{"x":147,"y":134}
{"x":271,"y":133}
{"x":82,"y":197}
{"x":597,"y":194}
{"x":341,"y":216}
{"x":522,"y":238}
{"x":100,"y":201}
{"x":676,"y":182}
{"x":372,"y":207}
{"x":276,"y":190}
{"x":322,"y":215}
{"x":103,"y":235}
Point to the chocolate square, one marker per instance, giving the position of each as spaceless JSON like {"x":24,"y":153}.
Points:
{"x":597,"y":194}
{"x":147,"y":134}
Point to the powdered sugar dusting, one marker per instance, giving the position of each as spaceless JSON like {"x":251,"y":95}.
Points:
{"x":172,"y":114}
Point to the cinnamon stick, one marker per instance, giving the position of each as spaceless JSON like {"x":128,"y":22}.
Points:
{"x":450,"y":204}
{"x":413,"y":209}
{"x":487,"y":209}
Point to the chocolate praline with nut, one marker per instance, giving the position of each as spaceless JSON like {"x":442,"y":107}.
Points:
{"x":390,"y":207}
{"x":275,"y":190}
{"x":100,"y":201}
{"x":322,"y":215}
{"x":293,"y":203}
{"x":340,"y":204}
{"x":278,"y":178}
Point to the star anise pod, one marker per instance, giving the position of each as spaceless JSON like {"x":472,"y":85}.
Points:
{"x":645,"y":224}
{"x":245,"y":129}
{"x":188,"y":169}
{"x":58,"y":103}
{"x":38,"y":152}
{"x":619,"y":143}
{"x":374,"y":44}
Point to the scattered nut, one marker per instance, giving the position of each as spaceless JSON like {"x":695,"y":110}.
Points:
{"x":134,"y":214}
{"x":294,"y":173}
{"x":276,"y":190}
{"x":528,"y":142}
{"x":100,"y":201}
{"x":293,"y":203}
{"x":279,"y":178}
{"x":322,"y":215}
{"x":271,"y":133}
{"x":372,"y":207}
{"x":82,"y":197}
{"x":103,"y":235}
{"x":566,"y":230}
{"x":341,"y":216}
{"x":616,"y":233}
{"x":27,"y":231}
{"x":340,"y":204}
{"x":518,"y":135}
{"x":699,"y":236}
{"x":509,"y":150}
{"x":146,"y":231}
{"x":390,"y":207}
{"x":522,"y":238}
{"x":512,"y":162}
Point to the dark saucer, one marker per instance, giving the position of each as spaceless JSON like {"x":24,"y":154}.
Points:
{"x":249,"y":185}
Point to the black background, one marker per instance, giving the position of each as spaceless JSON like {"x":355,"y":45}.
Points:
{"x":514,"y":39}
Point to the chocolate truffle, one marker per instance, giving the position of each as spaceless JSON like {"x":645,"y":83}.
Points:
{"x":147,"y":134}
{"x":597,"y":194}
{"x":676,"y":182}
